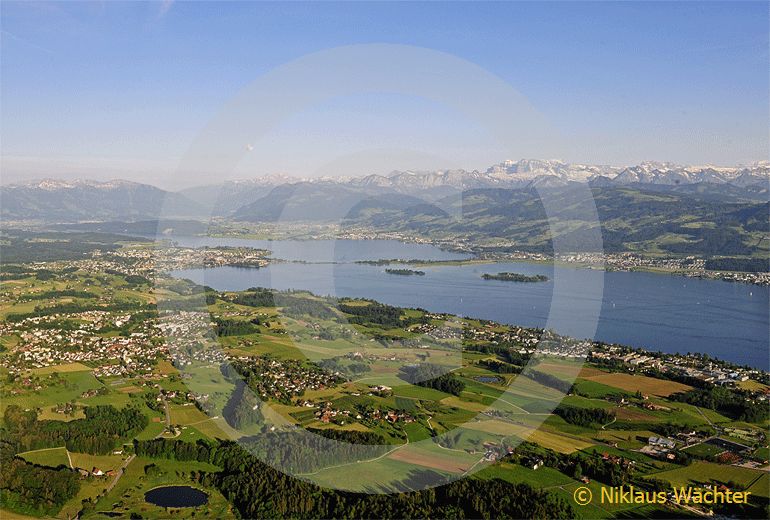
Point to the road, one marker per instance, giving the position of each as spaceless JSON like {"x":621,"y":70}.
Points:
{"x":168,"y":419}
{"x":120,"y":473}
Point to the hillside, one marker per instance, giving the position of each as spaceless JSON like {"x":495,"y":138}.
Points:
{"x":58,"y":201}
{"x":632,"y":219}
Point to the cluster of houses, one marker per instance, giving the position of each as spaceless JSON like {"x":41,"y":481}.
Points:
{"x":144,"y":261}
{"x":688,"y":266}
{"x":284,"y":379}
{"x":491,"y":333}
{"x":660,"y":447}
{"x":44,"y":341}
{"x":437,"y":332}
{"x":709,"y":371}
{"x":328,"y":414}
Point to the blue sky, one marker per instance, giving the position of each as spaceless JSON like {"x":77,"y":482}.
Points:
{"x":121,"y":90}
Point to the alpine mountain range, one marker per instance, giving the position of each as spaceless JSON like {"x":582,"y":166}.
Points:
{"x":78,"y":200}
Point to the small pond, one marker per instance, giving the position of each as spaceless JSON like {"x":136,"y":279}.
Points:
{"x":176,"y":496}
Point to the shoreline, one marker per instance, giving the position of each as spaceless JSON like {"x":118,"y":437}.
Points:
{"x":746,"y":277}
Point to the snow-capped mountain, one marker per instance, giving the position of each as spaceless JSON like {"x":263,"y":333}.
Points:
{"x":57,"y":184}
{"x":53,"y":199}
{"x":543,"y":173}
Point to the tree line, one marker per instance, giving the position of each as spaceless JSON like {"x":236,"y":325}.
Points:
{"x":548,"y":380}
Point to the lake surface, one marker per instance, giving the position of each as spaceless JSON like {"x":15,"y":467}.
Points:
{"x":176,"y":496}
{"x":654,"y":311}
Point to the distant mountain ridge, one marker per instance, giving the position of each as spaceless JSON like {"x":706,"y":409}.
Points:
{"x":70,"y":201}
{"x":535,"y":172}
{"x":292,"y":198}
{"x":531,"y":173}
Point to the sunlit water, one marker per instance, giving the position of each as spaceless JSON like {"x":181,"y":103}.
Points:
{"x":658,"y":312}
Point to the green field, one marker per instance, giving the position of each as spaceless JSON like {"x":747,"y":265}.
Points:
{"x":709,"y":473}
{"x":72,"y":385}
{"x":51,"y":457}
{"x":543,"y":477}
{"x":703,"y":450}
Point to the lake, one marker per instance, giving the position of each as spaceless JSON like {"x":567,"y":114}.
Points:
{"x":654,"y":311}
{"x":176,"y":496}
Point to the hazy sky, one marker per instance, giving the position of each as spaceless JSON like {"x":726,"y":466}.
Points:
{"x":104,"y":90}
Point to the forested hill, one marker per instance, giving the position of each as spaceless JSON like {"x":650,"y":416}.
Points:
{"x":632,"y":219}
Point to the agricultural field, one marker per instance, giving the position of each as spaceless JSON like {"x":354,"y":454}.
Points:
{"x":703,"y":450}
{"x":762,"y":454}
{"x":701,"y":472}
{"x":51,"y":457}
{"x":634,"y":383}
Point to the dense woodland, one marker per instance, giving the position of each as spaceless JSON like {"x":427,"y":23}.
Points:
{"x":752,"y":265}
{"x":729,"y":402}
{"x":584,"y":416}
{"x":290,"y":305}
{"x":31,"y":246}
{"x":351,"y":436}
{"x":501,"y":367}
{"x":506,"y":350}
{"x":76,"y":307}
{"x":431,"y":376}
{"x":405,"y":272}
{"x":103,"y":429}
{"x":32,"y":489}
{"x":242,"y":409}
{"x":378,"y":314}
{"x":577,"y":465}
{"x":229,"y":327}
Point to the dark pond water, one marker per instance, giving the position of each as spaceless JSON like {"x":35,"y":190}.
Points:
{"x":654,"y":311}
{"x":176,"y":496}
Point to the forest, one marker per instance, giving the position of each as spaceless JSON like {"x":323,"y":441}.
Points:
{"x":242,"y":409}
{"x":31,"y":489}
{"x":726,"y":401}
{"x":291,"y":305}
{"x":102,"y":429}
{"x":405,"y":272}
{"x":229,"y":327}
{"x":752,"y":265}
{"x":501,"y":367}
{"x":376,"y":313}
{"x":583,"y":416}
{"x":431,"y":376}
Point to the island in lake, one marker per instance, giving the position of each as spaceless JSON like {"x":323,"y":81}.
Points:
{"x":515,"y":277}
{"x":405,"y":272}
